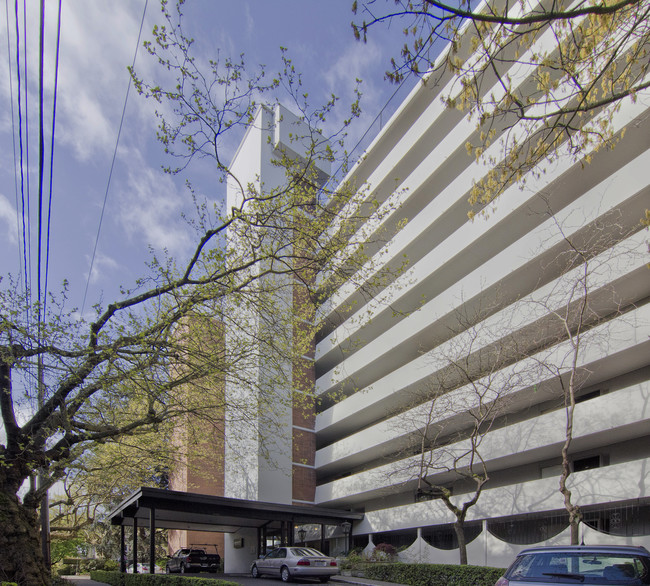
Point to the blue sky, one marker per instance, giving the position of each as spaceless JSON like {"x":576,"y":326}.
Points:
{"x":144,"y":206}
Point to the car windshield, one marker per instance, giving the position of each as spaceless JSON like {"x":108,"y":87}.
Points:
{"x":580,"y":567}
{"x":306,"y":551}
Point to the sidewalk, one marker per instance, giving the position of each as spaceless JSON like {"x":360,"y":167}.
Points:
{"x":84,"y":581}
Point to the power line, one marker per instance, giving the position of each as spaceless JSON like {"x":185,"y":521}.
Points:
{"x":26,"y":150}
{"x":49,"y":205}
{"x":110,"y":173}
{"x":22,"y":163}
{"x":41,"y":158}
{"x":13,"y":135}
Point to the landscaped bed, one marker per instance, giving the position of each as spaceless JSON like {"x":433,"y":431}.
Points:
{"x":432,"y":574}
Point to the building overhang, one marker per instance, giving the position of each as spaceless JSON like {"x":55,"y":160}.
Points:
{"x":199,"y":512}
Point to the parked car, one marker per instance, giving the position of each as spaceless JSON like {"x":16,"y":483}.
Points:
{"x":192,"y":560}
{"x":579,"y":564}
{"x":295,"y":562}
{"x":142,"y":569}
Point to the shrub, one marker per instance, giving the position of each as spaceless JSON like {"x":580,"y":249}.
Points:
{"x":434,"y":574}
{"x":383,"y":552}
{"x":112,"y":578}
{"x":353,"y":561}
{"x":67,"y":570}
{"x":91,"y":565}
{"x":119,"y":579}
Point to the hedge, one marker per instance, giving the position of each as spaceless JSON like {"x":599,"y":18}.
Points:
{"x":119,"y":579}
{"x":434,"y":574}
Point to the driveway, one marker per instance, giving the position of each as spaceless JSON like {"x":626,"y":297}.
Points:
{"x":242,"y":579}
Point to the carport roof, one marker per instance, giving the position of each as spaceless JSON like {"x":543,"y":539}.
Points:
{"x":200,"y":512}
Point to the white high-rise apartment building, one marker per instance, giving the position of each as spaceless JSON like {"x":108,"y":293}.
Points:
{"x":459,"y":318}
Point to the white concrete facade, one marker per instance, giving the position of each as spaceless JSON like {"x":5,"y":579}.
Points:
{"x":494,"y":282}
{"x":475,"y":290}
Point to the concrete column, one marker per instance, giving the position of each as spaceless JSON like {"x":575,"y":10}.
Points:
{"x":152,"y":540}
{"x":135,"y":545}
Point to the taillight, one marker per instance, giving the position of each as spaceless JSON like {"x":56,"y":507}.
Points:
{"x":303,"y":563}
{"x":502,"y":582}
{"x":333,"y":563}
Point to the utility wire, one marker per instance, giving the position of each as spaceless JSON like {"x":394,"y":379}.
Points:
{"x":49,"y":205}
{"x":13,"y":138}
{"x":41,"y":160}
{"x":24,"y":212}
{"x":28,"y":282}
{"x":110,"y":173}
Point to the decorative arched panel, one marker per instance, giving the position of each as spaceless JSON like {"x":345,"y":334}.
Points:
{"x":444,"y":536}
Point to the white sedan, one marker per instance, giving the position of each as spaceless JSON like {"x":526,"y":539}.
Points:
{"x":142,"y":569}
{"x":295,"y":562}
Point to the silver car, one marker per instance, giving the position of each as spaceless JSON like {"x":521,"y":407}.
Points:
{"x":579,"y":564}
{"x":295,"y":562}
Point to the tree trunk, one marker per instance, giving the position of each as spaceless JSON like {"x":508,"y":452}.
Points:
{"x":575,"y":531}
{"x":21,"y":560}
{"x":459,"y":528}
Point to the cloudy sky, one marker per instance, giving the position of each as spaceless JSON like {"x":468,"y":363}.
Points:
{"x":143,"y":205}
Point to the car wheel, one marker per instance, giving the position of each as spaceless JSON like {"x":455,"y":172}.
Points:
{"x":285,"y":575}
{"x":255,"y":573}
{"x":323,"y":579}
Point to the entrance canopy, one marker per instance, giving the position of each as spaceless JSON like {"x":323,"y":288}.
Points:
{"x":170,"y":509}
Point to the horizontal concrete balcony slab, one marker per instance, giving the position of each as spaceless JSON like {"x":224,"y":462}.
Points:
{"x":424,"y":176}
{"x":500,"y":252}
{"x":591,"y":487}
{"x":615,"y":417}
{"x":394,"y":391}
{"x":517,"y":387}
{"x":408,"y":161}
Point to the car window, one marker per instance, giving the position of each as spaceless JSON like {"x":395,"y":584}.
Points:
{"x":317,"y":553}
{"x":271,"y":555}
{"x":282,"y":553}
{"x":306,"y":551}
{"x":567,"y":568}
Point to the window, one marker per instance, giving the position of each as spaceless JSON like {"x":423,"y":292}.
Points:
{"x":529,"y":529}
{"x":573,"y":568}
{"x":586,"y":463}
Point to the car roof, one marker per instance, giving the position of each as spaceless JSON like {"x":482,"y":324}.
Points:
{"x":631,"y":549}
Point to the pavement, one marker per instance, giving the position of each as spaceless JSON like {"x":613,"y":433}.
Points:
{"x":364,"y":581}
{"x":86,"y":581}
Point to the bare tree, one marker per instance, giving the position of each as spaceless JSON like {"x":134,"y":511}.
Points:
{"x":454,"y":414}
{"x":579,"y":307}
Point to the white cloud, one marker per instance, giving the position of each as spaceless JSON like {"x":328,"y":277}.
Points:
{"x":101,"y":265}
{"x":93,"y":76}
{"x":8,"y":220}
{"x":250,"y":22}
{"x":150,"y":209}
{"x":356,"y":61}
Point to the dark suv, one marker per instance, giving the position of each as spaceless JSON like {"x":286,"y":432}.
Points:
{"x":579,"y":564}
